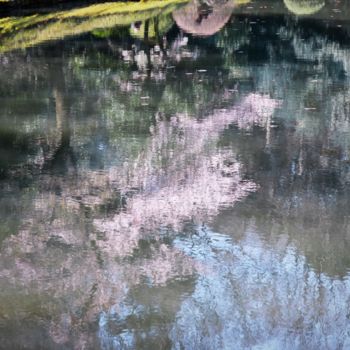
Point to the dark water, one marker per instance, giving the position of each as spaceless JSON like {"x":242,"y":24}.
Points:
{"x":163,"y":190}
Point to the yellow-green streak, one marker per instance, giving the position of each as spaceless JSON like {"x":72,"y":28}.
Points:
{"x":22,"y":32}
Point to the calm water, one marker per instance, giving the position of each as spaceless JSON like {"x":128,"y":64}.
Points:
{"x":167,"y":190}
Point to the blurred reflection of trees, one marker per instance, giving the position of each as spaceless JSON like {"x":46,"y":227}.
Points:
{"x":118,"y":155}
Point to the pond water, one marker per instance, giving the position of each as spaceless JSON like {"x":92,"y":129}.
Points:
{"x":180,"y":181}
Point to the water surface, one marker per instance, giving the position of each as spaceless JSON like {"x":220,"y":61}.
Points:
{"x":177,"y":182}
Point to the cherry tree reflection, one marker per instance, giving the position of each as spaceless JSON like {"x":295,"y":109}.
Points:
{"x":84,"y":266}
{"x":195,"y":179}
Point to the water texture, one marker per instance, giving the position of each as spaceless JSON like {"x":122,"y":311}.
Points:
{"x":175,"y":175}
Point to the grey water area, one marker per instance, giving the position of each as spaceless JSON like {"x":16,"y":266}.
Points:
{"x":187,"y":190}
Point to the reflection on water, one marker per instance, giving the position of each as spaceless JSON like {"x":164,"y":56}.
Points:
{"x":260,"y":297}
{"x":203,"y":19}
{"x":303,"y":8}
{"x":177,"y":180}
